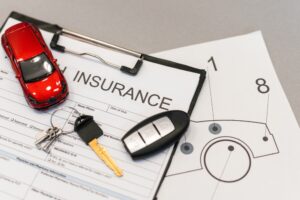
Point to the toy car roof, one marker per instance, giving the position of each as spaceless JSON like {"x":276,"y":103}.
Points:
{"x":23,"y":41}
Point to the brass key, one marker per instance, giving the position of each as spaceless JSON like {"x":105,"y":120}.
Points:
{"x":89,"y":132}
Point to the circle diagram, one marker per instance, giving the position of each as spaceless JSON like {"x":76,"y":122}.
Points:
{"x":227,"y":160}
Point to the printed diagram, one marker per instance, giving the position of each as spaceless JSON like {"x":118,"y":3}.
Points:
{"x":228,"y":150}
{"x":225,"y":149}
{"x":243,"y":139}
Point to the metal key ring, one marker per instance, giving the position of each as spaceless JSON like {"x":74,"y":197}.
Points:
{"x":63,"y":109}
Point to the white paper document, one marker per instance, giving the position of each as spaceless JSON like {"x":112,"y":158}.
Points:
{"x":117,"y":101}
{"x":243,"y":142}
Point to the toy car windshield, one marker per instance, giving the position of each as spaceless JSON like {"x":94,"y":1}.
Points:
{"x":36,"y":68}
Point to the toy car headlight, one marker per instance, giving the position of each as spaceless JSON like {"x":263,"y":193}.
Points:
{"x":64,"y":87}
{"x":32,"y":100}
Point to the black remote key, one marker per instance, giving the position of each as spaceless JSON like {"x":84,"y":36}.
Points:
{"x":155,"y":133}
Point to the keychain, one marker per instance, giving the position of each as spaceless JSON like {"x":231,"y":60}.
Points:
{"x":88,"y":131}
{"x":50,"y":135}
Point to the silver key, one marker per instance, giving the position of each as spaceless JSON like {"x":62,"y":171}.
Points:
{"x":49,"y":135}
{"x":52,"y":139}
{"x":45,"y":135}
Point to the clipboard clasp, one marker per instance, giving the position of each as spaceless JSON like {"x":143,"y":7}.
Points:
{"x":131,"y":71}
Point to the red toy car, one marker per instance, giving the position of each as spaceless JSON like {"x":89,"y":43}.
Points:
{"x":35,"y":67}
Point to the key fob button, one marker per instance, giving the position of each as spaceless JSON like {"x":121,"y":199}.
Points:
{"x":134,"y":142}
{"x":164,"y":125}
{"x":149,"y":134}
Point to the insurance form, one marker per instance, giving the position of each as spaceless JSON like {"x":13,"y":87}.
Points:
{"x":116,"y":100}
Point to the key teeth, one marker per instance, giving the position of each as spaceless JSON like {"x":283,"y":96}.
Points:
{"x":119,"y":174}
{"x":105,"y":157}
{"x":113,"y":165}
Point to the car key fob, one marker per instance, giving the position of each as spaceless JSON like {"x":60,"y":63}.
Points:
{"x":155,"y":133}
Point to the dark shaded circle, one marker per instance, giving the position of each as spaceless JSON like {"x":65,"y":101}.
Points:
{"x":215,"y":128}
{"x":187,"y":148}
{"x":265,"y":138}
{"x":230,"y":148}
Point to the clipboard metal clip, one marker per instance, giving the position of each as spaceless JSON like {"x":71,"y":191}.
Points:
{"x":131,"y":71}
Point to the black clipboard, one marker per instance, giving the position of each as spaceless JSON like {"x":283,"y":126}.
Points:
{"x":56,"y":30}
